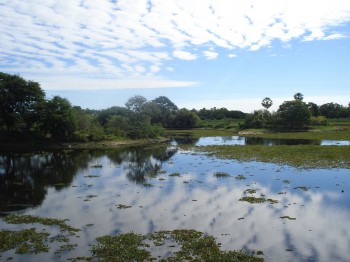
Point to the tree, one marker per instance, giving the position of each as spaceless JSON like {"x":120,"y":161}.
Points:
{"x":313,"y":109}
{"x":20,"y":101}
{"x":299,"y":96}
{"x":153,"y":111}
{"x":184,"y":118}
{"x":266,"y":103}
{"x":165,"y":104}
{"x":59,"y":119}
{"x":293,"y":115}
{"x":136,"y":103}
{"x":333,"y":110}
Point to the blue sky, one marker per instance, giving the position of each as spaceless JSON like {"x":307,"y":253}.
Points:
{"x":198,"y":53}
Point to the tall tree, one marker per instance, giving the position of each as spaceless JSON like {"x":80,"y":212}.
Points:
{"x":299,"y":96}
{"x":294,"y":115}
{"x":266,"y":103}
{"x":59,"y":118}
{"x":165,"y":104}
{"x":19,"y":102}
{"x":136,"y":103}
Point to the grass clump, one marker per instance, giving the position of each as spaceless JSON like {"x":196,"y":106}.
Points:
{"x":121,"y":206}
{"x":258,"y":200}
{"x":253,"y":200}
{"x":221,"y":174}
{"x":29,"y":219}
{"x":175,"y":174}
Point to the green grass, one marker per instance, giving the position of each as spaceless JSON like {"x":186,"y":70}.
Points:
{"x":323,"y":134}
{"x":197,"y":133}
{"x":307,"y":156}
{"x":220,"y":123}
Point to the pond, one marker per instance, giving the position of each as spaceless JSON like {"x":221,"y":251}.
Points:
{"x":303,"y":214}
{"x":240,"y":140}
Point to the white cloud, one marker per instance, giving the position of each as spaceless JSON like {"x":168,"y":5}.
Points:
{"x":126,"y":39}
{"x":210,"y":55}
{"x":184,"y":55}
{"x":86,"y":82}
{"x":232,"y":55}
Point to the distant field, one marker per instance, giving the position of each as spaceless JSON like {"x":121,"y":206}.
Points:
{"x":340,"y":121}
{"x":227,"y":123}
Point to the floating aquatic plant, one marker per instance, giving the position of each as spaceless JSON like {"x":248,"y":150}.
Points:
{"x":221,"y":174}
{"x":288,"y":217}
{"x":122,"y":206}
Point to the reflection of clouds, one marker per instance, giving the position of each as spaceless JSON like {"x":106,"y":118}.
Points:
{"x":320,"y":229}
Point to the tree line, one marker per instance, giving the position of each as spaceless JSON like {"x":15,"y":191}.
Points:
{"x":26,"y":113}
{"x":294,"y":114}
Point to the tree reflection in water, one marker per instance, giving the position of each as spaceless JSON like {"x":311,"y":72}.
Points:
{"x":26,"y":178}
{"x":140,"y":164}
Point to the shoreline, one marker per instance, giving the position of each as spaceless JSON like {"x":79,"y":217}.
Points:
{"x":49,"y":145}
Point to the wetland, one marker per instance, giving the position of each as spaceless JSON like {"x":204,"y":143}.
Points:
{"x":147,"y":202}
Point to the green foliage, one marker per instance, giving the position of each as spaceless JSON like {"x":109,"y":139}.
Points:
{"x":313,"y":108}
{"x":318,"y":121}
{"x":136,"y":103}
{"x":334,"y":110}
{"x":299,"y":96}
{"x":58,"y":118}
{"x":219,"y":113}
{"x":293,"y":115}
{"x":26,"y":241}
{"x":184,"y":119}
{"x":258,"y":119}
{"x":20,"y":101}
{"x":266,"y":103}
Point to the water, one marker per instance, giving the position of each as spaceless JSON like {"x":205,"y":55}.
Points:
{"x":242,"y":141}
{"x":85,"y":187}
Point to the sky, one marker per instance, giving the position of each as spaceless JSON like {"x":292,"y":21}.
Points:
{"x":198,"y":53}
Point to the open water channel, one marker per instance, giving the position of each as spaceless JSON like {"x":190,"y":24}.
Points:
{"x":167,"y":188}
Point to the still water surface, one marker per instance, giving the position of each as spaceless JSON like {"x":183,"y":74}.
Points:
{"x":243,"y":141}
{"x":85,"y":187}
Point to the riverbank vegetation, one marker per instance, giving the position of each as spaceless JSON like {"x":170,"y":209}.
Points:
{"x":26,"y":114}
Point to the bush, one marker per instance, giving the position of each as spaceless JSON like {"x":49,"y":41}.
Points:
{"x":318,"y":121}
